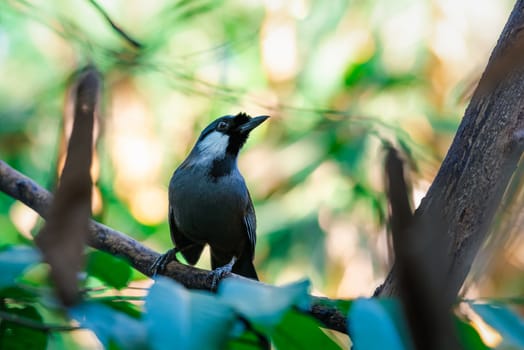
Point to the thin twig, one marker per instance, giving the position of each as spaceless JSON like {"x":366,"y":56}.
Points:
{"x":27,"y":322}
{"x":115,"y":26}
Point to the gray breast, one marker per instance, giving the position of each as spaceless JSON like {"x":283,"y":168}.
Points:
{"x":209,"y":210}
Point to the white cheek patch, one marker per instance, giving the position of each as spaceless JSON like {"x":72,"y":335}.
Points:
{"x":214,"y":146}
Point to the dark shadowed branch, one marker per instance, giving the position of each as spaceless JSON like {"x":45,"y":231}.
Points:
{"x":435,"y":247}
{"x":104,"y":238}
{"x":484,"y":154}
{"x":420,"y":264}
{"x":63,"y":236}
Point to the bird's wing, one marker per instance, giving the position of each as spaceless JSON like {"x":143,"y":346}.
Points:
{"x":190,"y":249}
{"x":250,"y":222}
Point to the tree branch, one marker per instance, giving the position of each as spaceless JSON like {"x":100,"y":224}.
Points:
{"x":104,"y":238}
{"x":62,"y":239}
{"x":420,"y":264}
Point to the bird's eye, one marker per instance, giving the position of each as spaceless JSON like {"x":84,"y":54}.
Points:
{"x":222,"y":126}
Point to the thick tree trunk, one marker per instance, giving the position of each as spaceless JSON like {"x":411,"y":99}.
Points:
{"x":486,"y":150}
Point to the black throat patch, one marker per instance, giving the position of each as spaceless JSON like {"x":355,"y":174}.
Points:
{"x":222,"y":167}
{"x":236,"y":141}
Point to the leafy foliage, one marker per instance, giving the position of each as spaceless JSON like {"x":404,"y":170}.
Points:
{"x":237,"y":316}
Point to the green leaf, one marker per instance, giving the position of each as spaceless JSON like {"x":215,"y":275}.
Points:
{"x":14,"y":261}
{"x":15,"y":336}
{"x":504,"y":321}
{"x":189,"y":319}
{"x":110,"y":326}
{"x":300,"y":331}
{"x":17,"y":293}
{"x":113,"y":271}
{"x":126,"y":307}
{"x":263,"y":305}
{"x":468,"y":336}
{"x":371,"y":327}
{"x":246,"y":341}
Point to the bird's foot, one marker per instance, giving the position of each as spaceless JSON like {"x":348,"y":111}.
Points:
{"x":159,"y":265}
{"x":221,"y":272}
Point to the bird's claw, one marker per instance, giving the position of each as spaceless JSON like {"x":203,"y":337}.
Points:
{"x":159,"y":265}
{"x":220,"y":273}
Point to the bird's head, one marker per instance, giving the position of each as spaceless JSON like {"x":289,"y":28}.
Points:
{"x":226,"y":135}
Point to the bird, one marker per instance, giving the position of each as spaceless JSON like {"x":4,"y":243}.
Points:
{"x":209,"y":202}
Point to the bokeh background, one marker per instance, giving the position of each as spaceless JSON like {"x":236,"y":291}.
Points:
{"x":339,"y":78}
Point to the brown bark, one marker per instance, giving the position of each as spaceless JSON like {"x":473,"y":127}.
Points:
{"x":62,"y":239}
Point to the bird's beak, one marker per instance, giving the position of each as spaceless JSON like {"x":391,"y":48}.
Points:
{"x":251,"y":124}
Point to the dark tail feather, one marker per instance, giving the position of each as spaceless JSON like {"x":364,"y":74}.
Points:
{"x":192,"y":252}
{"x":245,"y":267}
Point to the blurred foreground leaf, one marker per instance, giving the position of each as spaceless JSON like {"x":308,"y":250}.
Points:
{"x":110,"y":326}
{"x":178,"y":318}
{"x":372,"y":327}
{"x":503,"y":320}
{"x":300,"y":331}
{"x":263,"y":305}
{"x":112,"y":271}
{"x":13,"y":261}
{"x":15,"y":336}
{"x":130,"y":309}
{"x":468,"y":336}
